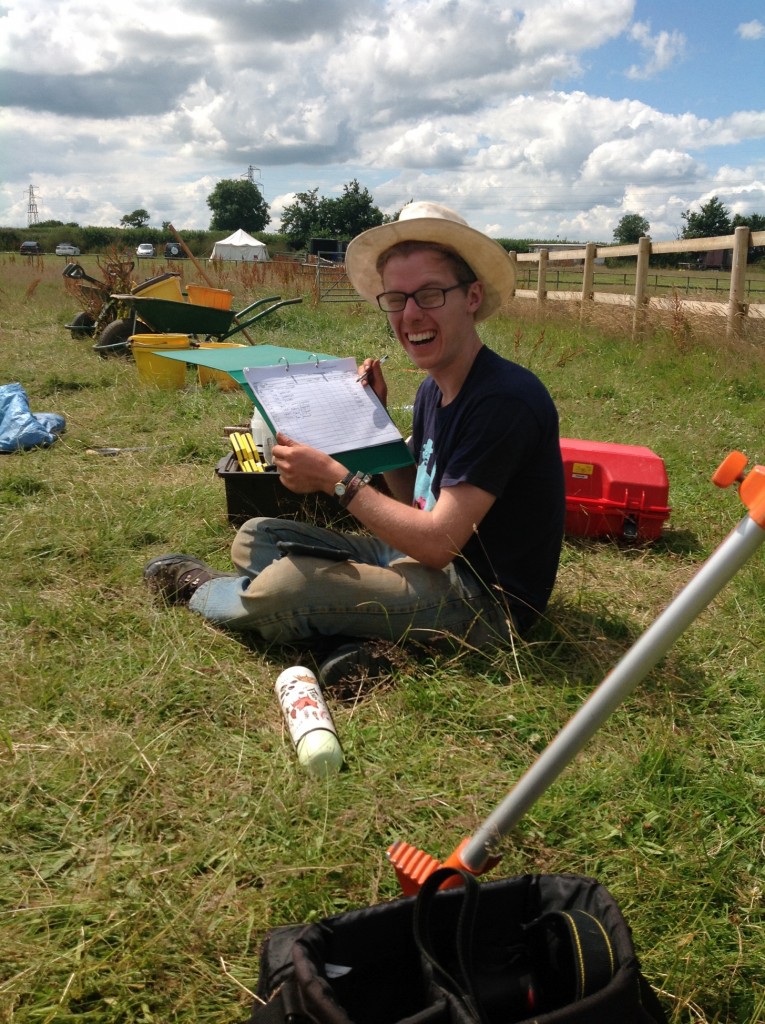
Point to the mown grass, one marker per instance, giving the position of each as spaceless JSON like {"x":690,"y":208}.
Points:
{"x":155,"y":821}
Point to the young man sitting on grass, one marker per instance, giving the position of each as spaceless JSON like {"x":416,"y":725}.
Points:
{"x":466,"y":545}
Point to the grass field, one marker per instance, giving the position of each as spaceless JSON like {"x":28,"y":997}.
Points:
{"x":155,"y":822}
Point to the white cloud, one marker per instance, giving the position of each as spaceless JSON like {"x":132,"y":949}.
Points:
{"x":114,"y":107}
{"x":571,"y":24}
{"x":661,"y":51}
{"x":751,"y":30}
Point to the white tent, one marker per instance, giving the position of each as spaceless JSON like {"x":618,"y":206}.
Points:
{"x":239,"y":247}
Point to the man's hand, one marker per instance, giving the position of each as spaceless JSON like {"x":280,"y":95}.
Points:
{"x":303,"y":469}
{"x":371,"y":371}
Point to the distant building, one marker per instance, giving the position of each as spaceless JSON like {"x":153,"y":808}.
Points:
{"x":716,"y":259}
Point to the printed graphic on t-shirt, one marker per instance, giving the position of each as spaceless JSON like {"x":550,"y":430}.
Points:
{"x":423,"y":494}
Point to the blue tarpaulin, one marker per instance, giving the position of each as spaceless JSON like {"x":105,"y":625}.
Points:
{"x":20,"y":428}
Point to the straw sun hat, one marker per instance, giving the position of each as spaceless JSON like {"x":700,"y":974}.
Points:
{"x":432,"y":222}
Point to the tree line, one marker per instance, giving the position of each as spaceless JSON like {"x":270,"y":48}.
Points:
{"x":239,"y":203}
{"x":711,"y":220}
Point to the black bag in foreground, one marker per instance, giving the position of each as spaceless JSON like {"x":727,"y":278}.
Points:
{"x":552,"y":949}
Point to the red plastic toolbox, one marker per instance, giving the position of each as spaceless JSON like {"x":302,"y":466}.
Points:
{"x":614,"y":490}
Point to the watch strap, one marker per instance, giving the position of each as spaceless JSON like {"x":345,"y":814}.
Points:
{"x":358,"y":480}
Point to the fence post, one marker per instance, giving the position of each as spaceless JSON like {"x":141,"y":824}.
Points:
{"x":737,"y":307}
{"x":641,"y":285}
{"x":542,"y":276}
{"x":513,"y":257}
{"x":588,"y":276}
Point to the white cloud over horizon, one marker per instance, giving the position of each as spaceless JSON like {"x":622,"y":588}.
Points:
{"x":532,"y":119}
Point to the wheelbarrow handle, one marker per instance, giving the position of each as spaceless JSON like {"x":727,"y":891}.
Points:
{"x":259,"y":316}
{"x":74,"y":272}
{"x":254,"y":305}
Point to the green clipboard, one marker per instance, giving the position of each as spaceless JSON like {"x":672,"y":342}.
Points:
{"x":376,"y":459}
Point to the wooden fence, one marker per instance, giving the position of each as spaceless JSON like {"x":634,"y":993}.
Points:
{"x":332,"y":284}
{"x":735,"y":310}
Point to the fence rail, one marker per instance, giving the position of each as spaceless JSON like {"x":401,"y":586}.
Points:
{"x":562,"y":280}
{"x":332,"y":284}
{"x":736,"y":310}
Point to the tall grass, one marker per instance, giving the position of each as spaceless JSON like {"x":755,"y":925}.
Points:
{"x":155,"y":820}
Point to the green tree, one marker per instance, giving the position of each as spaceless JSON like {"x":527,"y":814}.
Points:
{"x":351,"y":213}
{"x":237,"y":203}
{"x":310,"y":216}
{"x":630,"y":229}
{"x":301,"y":218}
{"x":753,"y":221}
{"x":136,"y":219}
{"x":712,"y":219}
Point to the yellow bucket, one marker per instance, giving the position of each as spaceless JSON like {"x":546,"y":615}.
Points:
{"x":207,"y":375}
{"x":218,"y":298}
{"x":165,"y":286}
{"x":168,"y":374}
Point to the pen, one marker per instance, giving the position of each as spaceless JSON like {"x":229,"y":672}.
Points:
{"x":363,"y":376}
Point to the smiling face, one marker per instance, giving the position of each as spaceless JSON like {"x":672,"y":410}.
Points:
{"x":441,"y":341}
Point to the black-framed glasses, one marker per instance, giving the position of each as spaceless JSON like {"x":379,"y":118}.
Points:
{"x":426,"y":298}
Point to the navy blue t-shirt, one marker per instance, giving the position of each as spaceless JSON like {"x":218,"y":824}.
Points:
{"x":500,"y":434}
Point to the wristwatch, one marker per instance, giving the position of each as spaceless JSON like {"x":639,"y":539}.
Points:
{"x":342,"y":486}
{"x":347,"y":488}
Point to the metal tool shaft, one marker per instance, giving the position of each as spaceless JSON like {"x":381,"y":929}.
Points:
{"x":647,"y":651}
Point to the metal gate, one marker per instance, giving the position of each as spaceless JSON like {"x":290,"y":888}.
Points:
{"x":332,"y":283}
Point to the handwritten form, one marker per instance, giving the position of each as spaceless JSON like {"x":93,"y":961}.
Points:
{"x":322,"y":404}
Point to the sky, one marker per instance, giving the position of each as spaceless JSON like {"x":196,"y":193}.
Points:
{"x":532,"y":118}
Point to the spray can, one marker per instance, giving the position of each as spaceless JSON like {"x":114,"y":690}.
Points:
{"x":261,"y":435}
{"x":309,"y":721}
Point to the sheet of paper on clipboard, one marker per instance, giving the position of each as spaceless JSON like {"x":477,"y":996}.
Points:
{"x":322,"y":403}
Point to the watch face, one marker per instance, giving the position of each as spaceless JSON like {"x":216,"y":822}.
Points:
{"x":342,"y":485}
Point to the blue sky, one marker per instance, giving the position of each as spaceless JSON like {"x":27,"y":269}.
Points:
{"x":550,"y":118}
{"x":712,"y":68}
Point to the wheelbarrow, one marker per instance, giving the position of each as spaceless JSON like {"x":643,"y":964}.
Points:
{"x":164,"y":316}
{"x":111,"y":317}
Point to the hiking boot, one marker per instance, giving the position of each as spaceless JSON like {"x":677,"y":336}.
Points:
{"x":176,"y":578}
{"x":354,"y":662}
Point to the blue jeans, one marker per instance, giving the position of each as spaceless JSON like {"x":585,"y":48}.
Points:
{"x":376,"y":593}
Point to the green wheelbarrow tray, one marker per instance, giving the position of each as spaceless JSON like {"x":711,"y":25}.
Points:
{"x":164,"y":316}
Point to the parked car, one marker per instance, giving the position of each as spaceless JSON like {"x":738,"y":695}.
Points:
{"x":30,"y":249}
{"x":145,"y":249}
{"x":67,"y":249}
{"x":173,"y":251}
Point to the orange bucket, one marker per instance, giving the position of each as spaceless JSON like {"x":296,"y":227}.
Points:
{"x":218,"y":298}
{"x":207,"y":375}
{"x":167,"y":374}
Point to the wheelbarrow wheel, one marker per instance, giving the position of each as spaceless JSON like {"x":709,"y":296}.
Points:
{"x":115,"y":338}
{"x":83,"y":325}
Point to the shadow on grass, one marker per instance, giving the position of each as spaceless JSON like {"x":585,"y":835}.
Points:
{"x":678,"y":542}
